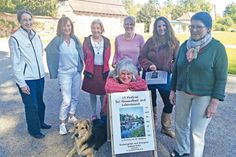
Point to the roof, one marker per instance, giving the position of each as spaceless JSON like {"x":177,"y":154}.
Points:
{"x":186,"y":16}
{"x":98,"y":7}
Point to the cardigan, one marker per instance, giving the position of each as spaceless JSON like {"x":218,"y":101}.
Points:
{"x":204,"y":76}
{"x":89,"y":57}
{"x":52,"y":54}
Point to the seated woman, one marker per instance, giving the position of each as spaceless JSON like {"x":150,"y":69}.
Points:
{"x":124,"y":78}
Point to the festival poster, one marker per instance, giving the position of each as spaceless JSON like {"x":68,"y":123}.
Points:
{"x":131,"y":121}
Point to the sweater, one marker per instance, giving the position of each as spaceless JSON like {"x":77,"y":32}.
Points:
{"x":128,"y":48}
{"x":204,"y":76}
{"x":163,"y":57}
{"x":52,"y":54}
{"x":26,"y":56}
{"x":113,"y":86}
{"x":89,"y":57}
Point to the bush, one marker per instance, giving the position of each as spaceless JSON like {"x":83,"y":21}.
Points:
{"x":219,"y":27}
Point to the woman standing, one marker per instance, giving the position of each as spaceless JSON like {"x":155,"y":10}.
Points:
{"x":97,"y":52}
{"x":26,"y":50}
{"x":159,"y":53}
{"x":65,"y":62}
{"x":198,"y":85}
{"x":129,"y":44}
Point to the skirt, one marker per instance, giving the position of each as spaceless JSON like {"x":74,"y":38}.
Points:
{"x":96,"y":84}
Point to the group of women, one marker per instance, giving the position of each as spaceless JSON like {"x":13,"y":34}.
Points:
{"x":196,"y":73}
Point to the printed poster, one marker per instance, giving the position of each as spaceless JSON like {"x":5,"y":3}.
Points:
{"x":131,"y":122}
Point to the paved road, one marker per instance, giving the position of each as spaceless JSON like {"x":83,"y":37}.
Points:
{"x":14,"y":140}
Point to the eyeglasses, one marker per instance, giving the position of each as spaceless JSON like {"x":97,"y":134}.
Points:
{"x":198,"y":28}
{"x":129,"y":24}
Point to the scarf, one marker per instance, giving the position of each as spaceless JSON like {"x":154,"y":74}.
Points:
{"x":194,"y":46}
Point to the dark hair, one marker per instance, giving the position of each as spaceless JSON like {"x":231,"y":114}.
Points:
{"x":204,"y":17}
{"x":20,"y":13}
{"x":62,"y":22}
{"x":169,"y":38}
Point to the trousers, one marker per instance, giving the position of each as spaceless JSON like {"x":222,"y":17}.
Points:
{"x":34,"y":105}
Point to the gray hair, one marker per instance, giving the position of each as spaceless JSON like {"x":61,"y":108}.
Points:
{"x":130,"y":19}
{"x":99,"y":22}
{"x":125,"y":65}
{"x":20,"y":13}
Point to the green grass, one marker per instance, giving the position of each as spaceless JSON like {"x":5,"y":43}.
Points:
{"x":227,"y":38}
{"x":231,"y":52}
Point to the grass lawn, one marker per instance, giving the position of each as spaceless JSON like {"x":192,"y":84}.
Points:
{"x":231,"y":52}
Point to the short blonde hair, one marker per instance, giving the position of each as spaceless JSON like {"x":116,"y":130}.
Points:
{"x":98,"y":21}
{"x":62,"y":22}
{"x":130,"y":19}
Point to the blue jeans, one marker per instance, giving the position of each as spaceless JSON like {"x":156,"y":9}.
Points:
{"x":34,"y":105}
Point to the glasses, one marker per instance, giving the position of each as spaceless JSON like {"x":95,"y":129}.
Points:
{"x":129,"y":24}
{"x":198,"y":28}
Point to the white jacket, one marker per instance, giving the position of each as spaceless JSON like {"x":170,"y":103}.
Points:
{"x":26,"y":56}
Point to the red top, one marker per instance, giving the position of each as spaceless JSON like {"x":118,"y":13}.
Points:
{"x":113,"y":86}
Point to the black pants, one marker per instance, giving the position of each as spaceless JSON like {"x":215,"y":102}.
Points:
{"x":168,"y":107}
{"x":34,"y":105}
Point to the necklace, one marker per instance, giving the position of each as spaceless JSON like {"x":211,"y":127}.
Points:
{"x":97,"y":46}
{"x":129,"y":37}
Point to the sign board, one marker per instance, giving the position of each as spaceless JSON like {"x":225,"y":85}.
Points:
{"x":131,"y":122}
{"x":156,"y":77}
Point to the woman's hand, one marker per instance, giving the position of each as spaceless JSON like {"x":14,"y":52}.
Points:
{"x":153,"y":67}
{"x":25,"y":90}
{"x":172,"y":97}
{"x":212,"y":107}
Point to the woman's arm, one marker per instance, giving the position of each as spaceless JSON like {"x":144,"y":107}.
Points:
{"x":112,"y":86}
{"x":138,"y":85}
{"x":143,"y":56}
{"x":18,"y":64}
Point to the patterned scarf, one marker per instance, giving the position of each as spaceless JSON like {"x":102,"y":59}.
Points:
{"x":194,"y":46}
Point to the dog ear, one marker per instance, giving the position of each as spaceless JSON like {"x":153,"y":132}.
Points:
{"x":89,"y":124}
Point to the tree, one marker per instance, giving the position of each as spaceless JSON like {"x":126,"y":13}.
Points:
{"x":147,"y":12}
{"x":184,"y":6}
{"x":130,"y":7}
{"x":230,"y":11}
{"x":39,"y":7}
{"x":7,"y":6}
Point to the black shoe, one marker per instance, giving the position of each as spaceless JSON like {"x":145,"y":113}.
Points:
{"x":38,"y":136}
{"x":176,"y":154}
{"x":45,"y":126}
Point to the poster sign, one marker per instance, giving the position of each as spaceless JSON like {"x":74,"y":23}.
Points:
{"x":156,"y":77}
{"x":131,"y":122}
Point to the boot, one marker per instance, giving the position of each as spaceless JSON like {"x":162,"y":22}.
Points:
{"x":166,"y":125}
{"x":155,"y":114}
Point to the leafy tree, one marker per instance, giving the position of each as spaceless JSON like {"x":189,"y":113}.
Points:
{"x":147,"y":12}
{"x":230,"y":11}
{"x":130,"y":7}
{"x":184,"y":6}
{"x":39,"y":7}
{"x":7,"y":6}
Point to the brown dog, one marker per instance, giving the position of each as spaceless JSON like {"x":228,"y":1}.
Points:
{"x":88,"y":136}
{"x":82,"y":131}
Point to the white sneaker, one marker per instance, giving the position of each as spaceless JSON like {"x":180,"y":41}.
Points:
{"x":62,"y":129}
{"x":72,"y":119}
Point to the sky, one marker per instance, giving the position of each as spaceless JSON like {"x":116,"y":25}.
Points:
{"x":220,"y":4}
